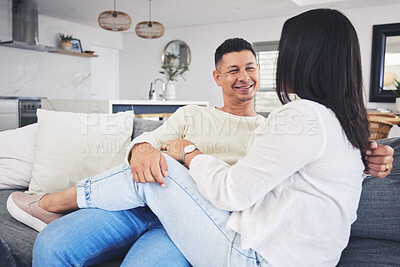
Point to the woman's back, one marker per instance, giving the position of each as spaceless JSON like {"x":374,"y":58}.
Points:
{"x":304,"y":185}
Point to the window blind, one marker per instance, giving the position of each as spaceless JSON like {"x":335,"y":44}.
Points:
{"x":267,"y":55}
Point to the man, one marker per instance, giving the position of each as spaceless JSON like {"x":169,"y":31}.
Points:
{"x":222,"y":132}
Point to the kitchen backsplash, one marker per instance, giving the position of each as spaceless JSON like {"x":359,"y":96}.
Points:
{"x":38,"y":74}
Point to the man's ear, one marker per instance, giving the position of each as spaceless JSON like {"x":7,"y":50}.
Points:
{"x":217,"y":77}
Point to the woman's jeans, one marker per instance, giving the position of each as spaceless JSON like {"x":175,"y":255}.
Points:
{"x":195,"y":226}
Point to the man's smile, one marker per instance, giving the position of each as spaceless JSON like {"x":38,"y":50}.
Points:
{"x":244,"y":88}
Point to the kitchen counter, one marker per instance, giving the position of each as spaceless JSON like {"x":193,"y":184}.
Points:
{"x":113,"y":106}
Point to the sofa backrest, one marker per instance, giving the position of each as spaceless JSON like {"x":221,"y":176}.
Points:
{"x":142,"y":125}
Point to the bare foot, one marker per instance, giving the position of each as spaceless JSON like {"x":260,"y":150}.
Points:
{"x":60,"y":202}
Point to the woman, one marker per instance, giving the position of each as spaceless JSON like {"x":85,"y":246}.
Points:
{"x":295,"y":206}
{"x":291,"y":200}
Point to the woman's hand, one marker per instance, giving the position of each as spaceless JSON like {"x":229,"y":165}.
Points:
{"x":379,"y":159}
{"x":174,"y":148}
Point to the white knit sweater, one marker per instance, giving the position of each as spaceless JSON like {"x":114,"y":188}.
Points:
{"x":214,"y":132}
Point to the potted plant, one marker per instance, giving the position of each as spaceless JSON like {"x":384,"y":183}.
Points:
{"x":172,"y":72}
{"x":65,"y":42}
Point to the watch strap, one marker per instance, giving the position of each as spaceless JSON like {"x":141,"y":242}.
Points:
{"x":183,"y":156}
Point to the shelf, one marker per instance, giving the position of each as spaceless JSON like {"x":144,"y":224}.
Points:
{"x":71,"y":53}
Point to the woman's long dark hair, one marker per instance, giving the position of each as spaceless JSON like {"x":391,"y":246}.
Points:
{"x":319,"y":60}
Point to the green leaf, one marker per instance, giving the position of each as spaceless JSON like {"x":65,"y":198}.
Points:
{"x":172,"y":71}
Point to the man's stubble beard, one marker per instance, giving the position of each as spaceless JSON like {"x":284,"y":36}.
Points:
{"x":247,"y":99}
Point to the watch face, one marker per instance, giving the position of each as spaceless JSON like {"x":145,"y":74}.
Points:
{"x":189,"y":148}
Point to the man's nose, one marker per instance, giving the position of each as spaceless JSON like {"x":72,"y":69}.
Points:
{"x":243,"y":75}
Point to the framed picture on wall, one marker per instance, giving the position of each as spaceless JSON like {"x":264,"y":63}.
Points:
{"x":76,"y":45}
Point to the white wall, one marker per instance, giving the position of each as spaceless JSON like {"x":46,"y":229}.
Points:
{"x":50,"y":27}
{"x":141,"y":59}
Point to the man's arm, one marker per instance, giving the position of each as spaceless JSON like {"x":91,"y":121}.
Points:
{"x":379,"y":159}
{"x":143,"y":155}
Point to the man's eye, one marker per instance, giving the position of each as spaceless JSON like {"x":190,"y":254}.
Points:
{"x":233,"y":71}
{"x":251,"y":68}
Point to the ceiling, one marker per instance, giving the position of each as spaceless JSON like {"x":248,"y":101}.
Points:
{"x":183,"y":13}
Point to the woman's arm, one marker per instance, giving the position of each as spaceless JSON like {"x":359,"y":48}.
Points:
{"x":281,"y":147}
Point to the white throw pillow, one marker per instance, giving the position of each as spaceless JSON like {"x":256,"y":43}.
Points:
{"x":16,"y":154}
{"x":72,"y":146}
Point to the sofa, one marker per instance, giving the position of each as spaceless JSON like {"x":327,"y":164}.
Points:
{"x":374,"y":241}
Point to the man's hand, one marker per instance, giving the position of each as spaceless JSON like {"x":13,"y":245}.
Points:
{"x":148,"y":164}
{"x":379,"y":159}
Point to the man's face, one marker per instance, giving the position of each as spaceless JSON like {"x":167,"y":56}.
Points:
{"x":238,"y":75}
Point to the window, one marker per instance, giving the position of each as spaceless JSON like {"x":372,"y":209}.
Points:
{"x":267,"y":54}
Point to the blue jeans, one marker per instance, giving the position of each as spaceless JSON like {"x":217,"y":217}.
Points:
{"x":196,"y":227}
{"x":90,"y":236}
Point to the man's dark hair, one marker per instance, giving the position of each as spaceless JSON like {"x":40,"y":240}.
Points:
{"x":232,"y":45}
{"x":319,"y":60}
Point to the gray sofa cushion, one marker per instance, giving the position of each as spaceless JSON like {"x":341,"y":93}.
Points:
{"x":17,"y":237}
{"x":368,"y":252}
{"x":6,"y":255}
{"x":378,"y":214}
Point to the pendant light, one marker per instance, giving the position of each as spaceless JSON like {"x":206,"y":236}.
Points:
{"x":149,"y":29}
{"x":114,"y":20}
